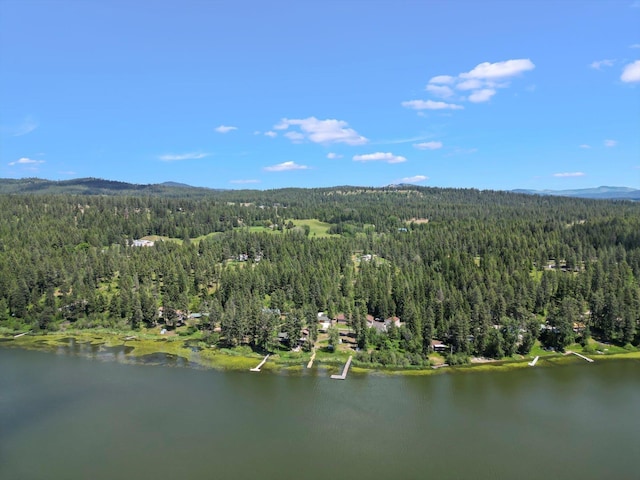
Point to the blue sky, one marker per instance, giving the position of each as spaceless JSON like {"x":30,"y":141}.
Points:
{"x":268,"y":94}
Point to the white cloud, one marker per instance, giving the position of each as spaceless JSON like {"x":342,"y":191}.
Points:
{"x":414,"y":179}
{"x":295,"y":137}
{"x":439,"y":90}
{"x":285,"y":167}
{"x":597,"y":65}
{"x":471,"y":84}
{"x":428,"y":145}
{"x":271,"y":134}
{"x":225,"y":129}
{"x":333,"y":156}
{"x":28,"y":126}
{"x":244,"y":182}
{"x":17,"y":130}
{"x":635,"y":45}
{"x":379,"y":156}
{"x":322,"y":131}
{"x":442,"y":79}
{"x":430,"y":105}
{"x":610,"y":143}
{"x":26,"y":161}
{"x":483,"y":81}
{"x":584,"y":145}
{"x":631,"y":72}
{"x":569,"y":174}
{"x":499,"y":70}
{"x":483,"y":95}
{"x":170,"y":157}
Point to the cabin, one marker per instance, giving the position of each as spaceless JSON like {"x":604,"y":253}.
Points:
{"x":438,"y":346}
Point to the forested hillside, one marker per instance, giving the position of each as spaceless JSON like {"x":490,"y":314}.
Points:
{"x":485,"y":273}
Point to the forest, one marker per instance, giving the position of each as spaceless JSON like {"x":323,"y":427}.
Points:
{"x":402,"y":269}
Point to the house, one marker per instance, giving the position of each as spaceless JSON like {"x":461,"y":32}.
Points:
{"x":177,"y":317}
{"x":376,"y":324}
{"x":142,"y":243}
{"x":579,"y":327}
{"x":283,"y":337}
{"x":393,"y":320}
{"x":340,"y":318}
{"x":438,"y":346}
{"x":324,"y":327}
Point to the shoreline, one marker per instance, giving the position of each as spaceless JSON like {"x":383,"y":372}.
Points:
{"x":128,"y":348}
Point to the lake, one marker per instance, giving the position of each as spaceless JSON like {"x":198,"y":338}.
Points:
{"x":68,"y":417}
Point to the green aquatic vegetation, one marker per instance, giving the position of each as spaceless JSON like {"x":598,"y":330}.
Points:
{"x":243,"y":358}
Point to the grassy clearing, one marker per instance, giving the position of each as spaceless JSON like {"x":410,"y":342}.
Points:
{"x":159,"y":238}
{"x":180,"y":241}
{"x":317,"y":228}
{"x":203,"y":237}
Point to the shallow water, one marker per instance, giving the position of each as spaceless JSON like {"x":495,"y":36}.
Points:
{"x":69,"y":417}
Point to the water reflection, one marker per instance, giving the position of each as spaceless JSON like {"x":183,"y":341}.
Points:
{"x":98,"y":351}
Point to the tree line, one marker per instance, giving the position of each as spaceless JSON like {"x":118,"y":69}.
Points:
{"x":488,"y":273}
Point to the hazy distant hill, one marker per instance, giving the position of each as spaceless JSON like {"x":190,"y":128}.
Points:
{"x":95,"y":186}
{"x":621,"y":193}
{"x":98,"y":186}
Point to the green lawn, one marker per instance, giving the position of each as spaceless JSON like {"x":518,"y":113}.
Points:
{"x":317,"y":228}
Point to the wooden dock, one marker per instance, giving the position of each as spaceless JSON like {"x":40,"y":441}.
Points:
{"x":313,"y":357}
{"x":257,"y":369}
{"x":345,"y":370}
{"x":534,"y":361}
{"x":583,"y":357}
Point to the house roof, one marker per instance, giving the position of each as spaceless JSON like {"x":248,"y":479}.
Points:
{"x":379,"y":326}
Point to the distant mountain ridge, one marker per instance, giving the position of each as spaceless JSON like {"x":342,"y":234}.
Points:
{"x":93,"y":186}
{"x":603,"y":193}
{"x":98,"y":186}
